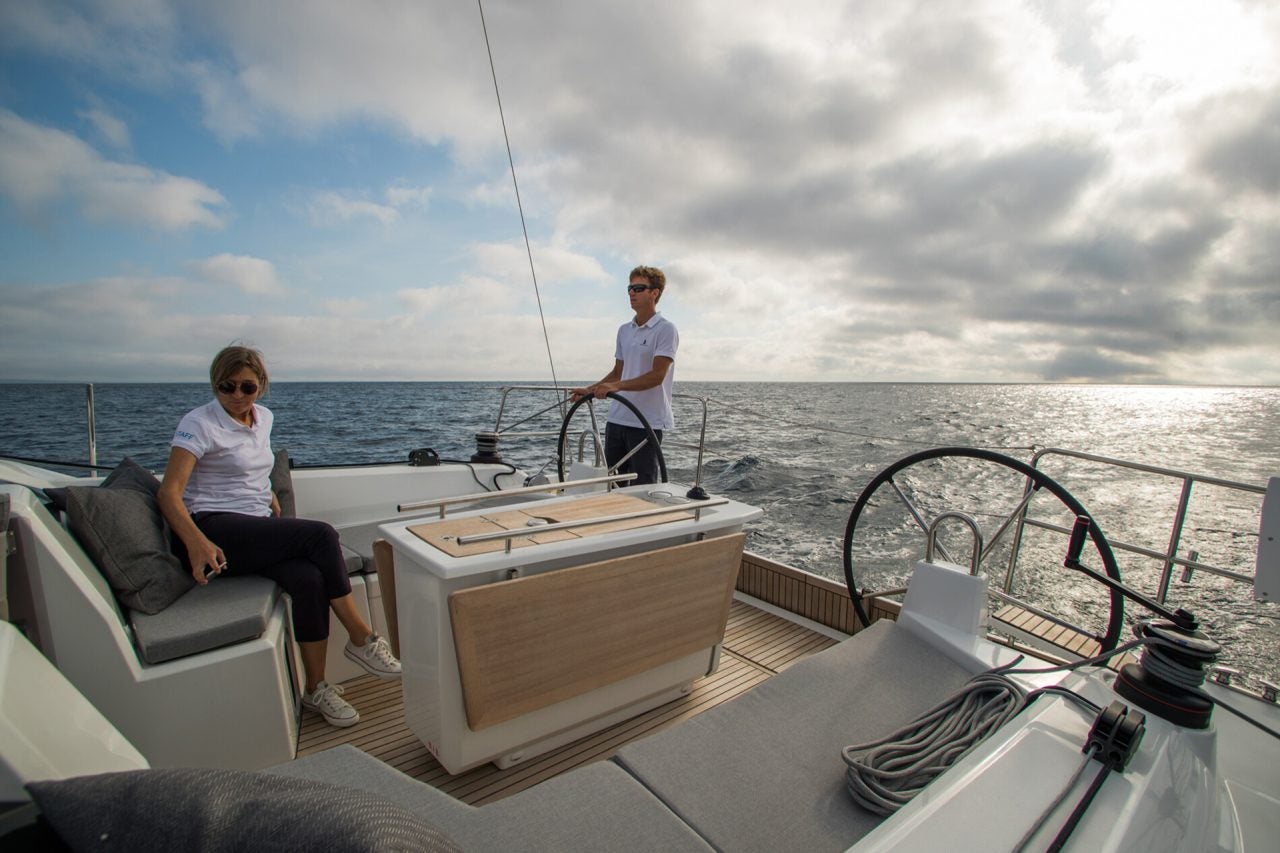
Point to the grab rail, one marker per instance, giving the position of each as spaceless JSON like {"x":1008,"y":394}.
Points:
{"x":561,"y":404}
{"x":1169,"y":557}
{"x":696,"y":507}
{"x":441,"y":503}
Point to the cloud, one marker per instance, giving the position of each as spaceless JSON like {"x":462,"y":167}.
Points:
{"x":245,"y":274}
{"x":977,"y":190}
{"x":112,"y":129}
{"x":331,"y":209}
{"x":554,"y":264}
{"x":1246,"y":157}
{"x":400,"y":196}
{"x":41,"y":167}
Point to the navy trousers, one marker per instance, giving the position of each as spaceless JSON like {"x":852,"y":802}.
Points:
{"x":618,"y":442}
{"x":301,"y":555}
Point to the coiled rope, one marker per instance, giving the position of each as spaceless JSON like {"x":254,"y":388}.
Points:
{"x":884,"y":775}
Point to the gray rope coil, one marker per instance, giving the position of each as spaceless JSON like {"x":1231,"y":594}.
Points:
{"x":885,"y":774}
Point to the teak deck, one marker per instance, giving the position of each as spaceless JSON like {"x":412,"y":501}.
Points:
{"x":1059,"y":639}
{"x":756,"y":646}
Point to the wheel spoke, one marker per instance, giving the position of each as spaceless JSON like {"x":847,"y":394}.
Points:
{"x":1017,"y":520}
{"x":1020,"y":509}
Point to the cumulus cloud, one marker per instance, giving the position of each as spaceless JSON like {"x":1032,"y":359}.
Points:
{"x":41,"y":167}
{"x":242,"y":273}
{"x":976,"y":190}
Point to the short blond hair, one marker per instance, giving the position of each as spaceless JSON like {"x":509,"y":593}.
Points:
{"x":231,"y":360}
{"x":657,"y":278}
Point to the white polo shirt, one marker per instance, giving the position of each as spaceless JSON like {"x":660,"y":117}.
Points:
{"x":233,"y":461}
{"x":636,"y":348}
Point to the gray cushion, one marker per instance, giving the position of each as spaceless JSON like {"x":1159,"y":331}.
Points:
{"x":597,"y":807}
{"x":355,"y":563}
{"x":130,"y":475}
{"x":764,"y":771}
{"x":224,"y":611}
{"x":282,"y":485}
{"x":231,"y":810}
{"x":119,"y":526}
{"x":349,"y":766}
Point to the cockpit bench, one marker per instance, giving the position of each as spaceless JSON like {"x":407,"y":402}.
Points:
{"x":178,"y":684}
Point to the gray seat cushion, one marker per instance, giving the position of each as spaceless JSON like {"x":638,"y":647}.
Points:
{"x":597,"y":807}
{"x":226,"y":810}
{"x":224,"y":611}
{"x":355,"y":562}
{"x":764,"y":771}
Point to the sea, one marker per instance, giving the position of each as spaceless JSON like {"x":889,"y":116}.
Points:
{"x":803,"y":452}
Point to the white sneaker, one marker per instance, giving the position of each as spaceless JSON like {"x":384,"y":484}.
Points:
{"x":375,"y":656}
{"x":327,"y":700}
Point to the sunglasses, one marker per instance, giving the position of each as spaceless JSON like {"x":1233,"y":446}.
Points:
{"x":639,"y":288}
{"x":247,"y":388}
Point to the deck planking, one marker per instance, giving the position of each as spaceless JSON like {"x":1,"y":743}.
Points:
{"x":1065,"y":642}
{"x":757,"y":645}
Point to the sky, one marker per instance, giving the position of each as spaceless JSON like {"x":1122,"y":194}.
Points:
{"x":956,"y":190}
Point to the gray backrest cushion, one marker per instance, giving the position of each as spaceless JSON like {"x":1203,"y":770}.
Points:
{"x":119,"y":526}
{"x":130,"y":475}
{"x":231,"y":810}
{"x":282,"y":485}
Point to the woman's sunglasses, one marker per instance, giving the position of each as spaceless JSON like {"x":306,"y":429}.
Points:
{"x":247,"y":388}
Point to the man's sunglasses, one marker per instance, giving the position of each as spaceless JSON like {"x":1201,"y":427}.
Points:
{"x":639,"y":288}
{"x":247,"y":388}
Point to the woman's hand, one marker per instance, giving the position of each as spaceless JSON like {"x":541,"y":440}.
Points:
{"x":275,"y":505}
{"x":206,"y":559}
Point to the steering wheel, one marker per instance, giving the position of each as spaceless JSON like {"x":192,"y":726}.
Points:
{"x":1037,"y":480}
{"x":612,"y":395}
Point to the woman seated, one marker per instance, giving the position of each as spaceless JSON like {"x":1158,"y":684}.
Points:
{"x":217,"y":497}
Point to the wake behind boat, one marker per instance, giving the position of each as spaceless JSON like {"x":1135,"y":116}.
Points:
{"x":583,"y":640}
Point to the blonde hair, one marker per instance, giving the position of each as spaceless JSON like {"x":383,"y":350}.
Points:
{"x":231,"y":360}
{"x":657,"y":278}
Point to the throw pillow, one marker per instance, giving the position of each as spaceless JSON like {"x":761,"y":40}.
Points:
{"x":119,"y":526}
{"x":130,"y":475}
{"x":226,"y":810}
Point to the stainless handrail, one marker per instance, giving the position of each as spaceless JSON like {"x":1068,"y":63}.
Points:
{"x":561,"y":403}
{"x":93,"y":429}
{"x":976,"y":558}
{"x":695,"y":507}
{"x":441,"y":503}
{"x":1169,"y":557}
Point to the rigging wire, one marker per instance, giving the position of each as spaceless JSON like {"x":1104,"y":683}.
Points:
{"x":519,"y":205}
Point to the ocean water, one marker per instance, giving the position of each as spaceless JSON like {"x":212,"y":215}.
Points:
{"x":803,"y":452}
